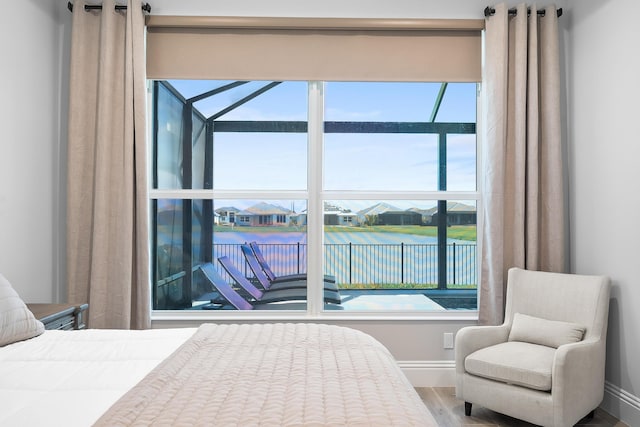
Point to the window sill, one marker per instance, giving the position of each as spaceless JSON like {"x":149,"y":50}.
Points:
{"x":208,"y":316}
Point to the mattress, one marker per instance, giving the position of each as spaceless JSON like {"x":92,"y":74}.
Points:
{"x":70,"y":378}
{"x":264,"y":374}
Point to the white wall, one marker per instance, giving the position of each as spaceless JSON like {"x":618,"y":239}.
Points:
{"x":327,"y":8}
{"x":29,"y":144}
{"x":601,"y":71}
{"x":458,"y":9}
{"x":603,"y":95}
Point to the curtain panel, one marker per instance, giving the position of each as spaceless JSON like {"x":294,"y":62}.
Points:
{"x":107,"y":205}
{"x":523,"y":179}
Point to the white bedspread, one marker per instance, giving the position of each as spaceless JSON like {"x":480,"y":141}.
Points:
{"x":265,"y":374}
{"x":70,"y":378}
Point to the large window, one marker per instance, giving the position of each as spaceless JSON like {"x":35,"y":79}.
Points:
{"x":359,"y":196}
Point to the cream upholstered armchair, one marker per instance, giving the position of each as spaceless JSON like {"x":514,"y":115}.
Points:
{"x":545,"y":363}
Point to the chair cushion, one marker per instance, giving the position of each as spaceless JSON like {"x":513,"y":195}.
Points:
{"x":17,"y":323}
{"x":551,"y":333}
{"x":519,"y":363}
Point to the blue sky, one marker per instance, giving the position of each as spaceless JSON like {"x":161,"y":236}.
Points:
{"x":344,"y":101}
{"x":370,"y":162}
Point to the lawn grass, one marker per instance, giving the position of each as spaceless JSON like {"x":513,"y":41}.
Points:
{"x":266,"y":229}
{"x":458,"y":232}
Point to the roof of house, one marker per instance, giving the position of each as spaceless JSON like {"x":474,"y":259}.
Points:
{"x":452,"y":207}
{"x":227,"y":209}
{"x":399,"y":212}
{"x":378,"y":208}
{"x":264,"y":208}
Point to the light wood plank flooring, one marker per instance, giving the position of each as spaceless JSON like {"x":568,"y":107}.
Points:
{"x":449,"y":412}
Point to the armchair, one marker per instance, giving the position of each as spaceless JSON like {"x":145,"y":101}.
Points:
{"x":545,"y":364}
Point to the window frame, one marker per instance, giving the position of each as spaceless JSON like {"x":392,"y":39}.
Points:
{"x":316,"y":196}
{"x":445,"y":50}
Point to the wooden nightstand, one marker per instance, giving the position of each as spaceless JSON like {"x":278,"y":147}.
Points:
{"x":60,"y":316}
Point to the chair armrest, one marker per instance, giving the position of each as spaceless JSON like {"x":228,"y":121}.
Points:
{"x":578,"y":375}
{"x":473,"y":338}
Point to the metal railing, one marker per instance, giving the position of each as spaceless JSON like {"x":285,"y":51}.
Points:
{"x":361,"y":266}
{"x":373,"y":264}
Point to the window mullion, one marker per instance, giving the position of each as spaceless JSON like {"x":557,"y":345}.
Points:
{"x":442,"y":212}
{"x":315,"y":203}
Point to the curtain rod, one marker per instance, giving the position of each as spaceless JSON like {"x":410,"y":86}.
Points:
{"x":489,"y":11}
{"x":146,"y":7}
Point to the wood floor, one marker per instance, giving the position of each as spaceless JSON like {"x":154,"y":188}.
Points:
{"x":449,"y":412}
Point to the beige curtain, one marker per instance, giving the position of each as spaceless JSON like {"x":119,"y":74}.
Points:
{"x":107,"y":238}
{"x":523,"y":200}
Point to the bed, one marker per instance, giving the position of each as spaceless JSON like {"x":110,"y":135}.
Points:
{"x":253,"y":374}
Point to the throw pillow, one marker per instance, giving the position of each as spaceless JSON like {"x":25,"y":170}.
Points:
{"x":17,"y":323}
{"x":552,"y":333}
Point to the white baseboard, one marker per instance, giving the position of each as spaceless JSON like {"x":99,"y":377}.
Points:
{"x":433,"y":373}
{"x":621,"y":404}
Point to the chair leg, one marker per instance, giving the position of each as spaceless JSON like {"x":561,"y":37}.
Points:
{"x":467,"y":408}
